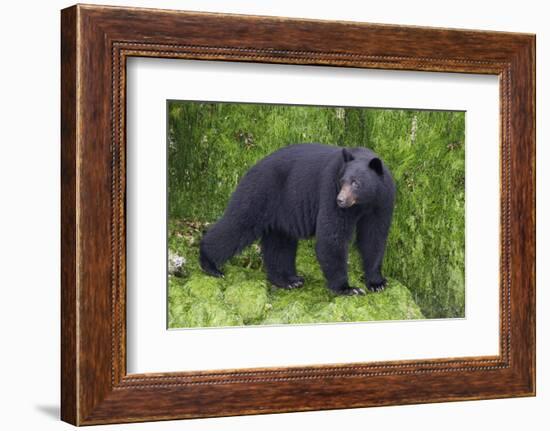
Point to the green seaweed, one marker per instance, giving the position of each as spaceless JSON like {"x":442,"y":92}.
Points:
{"x":198,"y":303}
{"x":249,"y":299}
{"x":244,"y":296}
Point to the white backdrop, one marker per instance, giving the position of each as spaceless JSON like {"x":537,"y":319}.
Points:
{"x":151,"y":348}
{"x":29,"y":227}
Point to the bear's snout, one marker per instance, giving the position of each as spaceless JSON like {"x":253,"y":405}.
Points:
{"x":345,"y":198}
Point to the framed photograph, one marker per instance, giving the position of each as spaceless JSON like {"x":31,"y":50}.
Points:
{"x":264,"y":214}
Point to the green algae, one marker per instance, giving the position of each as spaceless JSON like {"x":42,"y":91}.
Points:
{"x":244,"y":296}
{"x":249,"y":299}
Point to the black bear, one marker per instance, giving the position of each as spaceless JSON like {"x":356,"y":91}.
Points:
{"x":307,"y":190}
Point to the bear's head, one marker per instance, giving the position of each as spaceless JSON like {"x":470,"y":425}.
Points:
{"x":360,"y":178}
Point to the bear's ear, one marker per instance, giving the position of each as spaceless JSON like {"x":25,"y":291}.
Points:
{"x":376,"y":165}
{"x":347,"y":156}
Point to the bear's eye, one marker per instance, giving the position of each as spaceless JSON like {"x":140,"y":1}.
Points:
{"x":355,"y":184}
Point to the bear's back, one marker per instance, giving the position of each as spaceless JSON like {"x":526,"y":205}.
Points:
{"x":306,"y":153}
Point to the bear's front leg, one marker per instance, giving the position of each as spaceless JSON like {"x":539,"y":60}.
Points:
{"x":333,"y":258}
{"x":372,"y":232}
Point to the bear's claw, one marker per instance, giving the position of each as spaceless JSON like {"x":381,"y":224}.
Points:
{"x":349,"y":291}
{"x":377,"y":286}
{"x":214,"y":272}
{"x":209,"y":267}
{"x":356,"y":291}
{"x":295,"y":281}
{"x":292,"y":282}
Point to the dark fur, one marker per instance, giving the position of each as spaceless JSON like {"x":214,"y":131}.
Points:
{"x":292,"y":194}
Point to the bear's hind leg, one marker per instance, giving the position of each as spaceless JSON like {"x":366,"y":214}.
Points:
{"x":221,"y":242}
{"x":208,"y":266}
{"x":279,"y":255}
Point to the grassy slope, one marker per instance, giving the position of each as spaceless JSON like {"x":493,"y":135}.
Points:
{"x":424,"y":150}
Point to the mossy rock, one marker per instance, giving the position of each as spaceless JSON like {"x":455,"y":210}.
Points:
{"x":204,"y":287}
{"x":244,"y":297}
{"x":317,"y":305}
{"x":199,"y":302}
{"x":203,"y":313}
{"x":249,"y":299}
